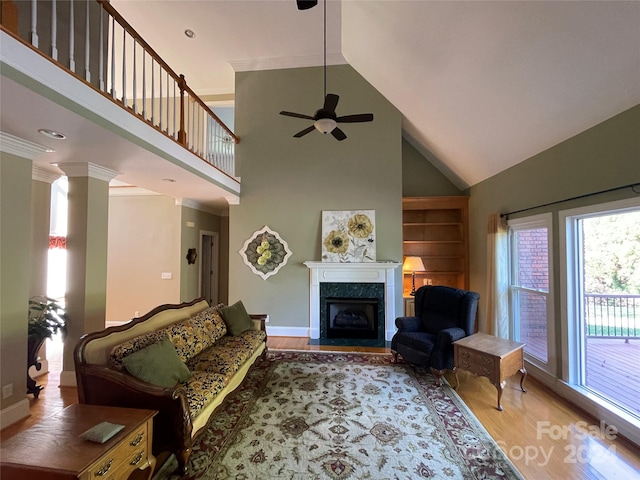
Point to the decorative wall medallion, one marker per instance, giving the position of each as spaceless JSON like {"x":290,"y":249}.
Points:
{"x":265,"y":252}
{"x":348,"y":236}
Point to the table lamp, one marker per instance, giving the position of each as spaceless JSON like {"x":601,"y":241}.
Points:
{"x":413,"y":265}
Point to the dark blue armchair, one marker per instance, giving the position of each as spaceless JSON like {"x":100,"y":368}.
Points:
{"x":442,"y":316}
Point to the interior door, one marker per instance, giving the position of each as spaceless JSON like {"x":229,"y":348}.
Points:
{"x":209,"y":268}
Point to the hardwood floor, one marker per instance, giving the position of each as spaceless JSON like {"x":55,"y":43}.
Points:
{"x":543,"y":435}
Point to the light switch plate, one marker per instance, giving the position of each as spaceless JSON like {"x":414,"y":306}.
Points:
{"x":7,"y":390}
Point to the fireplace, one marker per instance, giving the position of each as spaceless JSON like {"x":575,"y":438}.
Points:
{"x":351,"y":300}
{"x":352,"y":310}
{"x":352,"y":318}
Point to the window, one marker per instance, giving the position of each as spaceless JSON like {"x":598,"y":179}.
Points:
{"x":602,"y":315}
{"x":530,"y":289}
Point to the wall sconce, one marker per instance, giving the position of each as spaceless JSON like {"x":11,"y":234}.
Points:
{"x":413,"y":265}
{"x":192,"y":254}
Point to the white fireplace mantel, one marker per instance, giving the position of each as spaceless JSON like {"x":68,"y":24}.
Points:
{"x":366,"y":272}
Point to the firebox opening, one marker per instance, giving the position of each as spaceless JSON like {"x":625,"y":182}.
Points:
{"x":352,"y":318}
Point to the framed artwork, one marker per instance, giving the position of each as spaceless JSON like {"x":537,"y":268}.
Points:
{"x":348,"y":236}
{"x":265,"y":252}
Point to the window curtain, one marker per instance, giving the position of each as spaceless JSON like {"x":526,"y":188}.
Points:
{"x":57,"y":242}
{"x":497,"y":314}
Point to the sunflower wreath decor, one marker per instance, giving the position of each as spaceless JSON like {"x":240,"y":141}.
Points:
{"x":265,"y":252}
{"x":348,"y":236}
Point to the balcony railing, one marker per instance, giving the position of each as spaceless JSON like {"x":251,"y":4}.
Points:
{"x":92,"y":41}
{"x":612,"y":316}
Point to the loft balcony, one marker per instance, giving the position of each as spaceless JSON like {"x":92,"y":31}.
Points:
{"x":77,"y":67}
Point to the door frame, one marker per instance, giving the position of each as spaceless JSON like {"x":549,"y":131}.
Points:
{"x":215,"y":264}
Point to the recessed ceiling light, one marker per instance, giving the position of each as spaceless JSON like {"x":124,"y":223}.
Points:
{"x":190,"y":33}
{"x":169,"y":180}
{"x":52,"y":134}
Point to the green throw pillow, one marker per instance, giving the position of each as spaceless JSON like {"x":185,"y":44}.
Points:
{"x":158,"y":364}
{"x":236,"y":318}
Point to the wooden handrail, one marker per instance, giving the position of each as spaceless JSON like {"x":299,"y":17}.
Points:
{"x":236,"y":139}
{"x":9,"y":15}
{"x":179,"y":78}
{"x":124,"y":24}
{"x":193,"y":132}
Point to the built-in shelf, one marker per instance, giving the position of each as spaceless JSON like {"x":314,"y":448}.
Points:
{"x":436,"y":230}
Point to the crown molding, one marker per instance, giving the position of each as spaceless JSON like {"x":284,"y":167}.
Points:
{"x":21,"y":147}
{"x":278,"y":63}
{"x":42,"y":175}
{"x":87,"y":169}
{"x":130,"y":191}
{"x":189,"y":203}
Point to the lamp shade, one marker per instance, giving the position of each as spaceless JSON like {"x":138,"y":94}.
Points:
{"x":412,"y":264}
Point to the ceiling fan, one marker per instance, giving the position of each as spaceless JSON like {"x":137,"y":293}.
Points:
{"x":325,"y":119}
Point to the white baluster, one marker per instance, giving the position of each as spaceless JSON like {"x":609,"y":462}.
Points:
{"x":153,"y":96}
{"x":101,"y":52}
{"x":87,"y":46}
{"x":54,"y":29}
{"x":124,"y":67}
{"x":135,"y":85}
{"x":160,"y":98}
{"x":144,"y":84}
{"x":113,"y":58}
{"x":72,"y":39}
{"x":34,"y":23}
{"x":175,"y":108}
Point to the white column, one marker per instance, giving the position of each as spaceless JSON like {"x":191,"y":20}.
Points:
{"x":86,"y":256}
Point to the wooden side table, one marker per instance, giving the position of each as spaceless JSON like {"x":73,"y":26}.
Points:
{"x":52,"y":448}
{"x":409,"y":306}
{"x":491,"y":357}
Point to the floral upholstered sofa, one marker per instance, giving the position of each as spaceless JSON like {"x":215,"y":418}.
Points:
{"x":181,"y":360}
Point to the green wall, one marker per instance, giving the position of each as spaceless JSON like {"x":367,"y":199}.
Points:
{"x":420,"y":178}
{"x":190,"y":238}
{"x":287,"y":182}
{"x":15,"y":238}
{"x":601,"y":158}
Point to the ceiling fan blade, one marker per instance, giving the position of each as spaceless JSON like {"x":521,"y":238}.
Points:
{"x":331,"y":102}
{"x":301,"y":133}
{"x":361,"y":117}
{"x":338,"y":134}
{"x":306,"y":4}
{"x":297,"y":115}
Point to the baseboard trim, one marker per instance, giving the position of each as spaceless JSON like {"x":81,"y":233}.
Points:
{"x":625,"y":424}
{"x":287,"y":331}
{"x":14,"y":413}
{"x":68,"y":378}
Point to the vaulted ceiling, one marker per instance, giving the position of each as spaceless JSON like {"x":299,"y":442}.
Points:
{"x":481,"y":85}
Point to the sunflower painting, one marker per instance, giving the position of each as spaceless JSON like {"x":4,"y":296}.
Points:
{"x":348,"y":236}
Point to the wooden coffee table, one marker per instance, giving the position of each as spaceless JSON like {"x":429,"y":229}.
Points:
{"x":52,"y":448}
{"x":491,"y":357}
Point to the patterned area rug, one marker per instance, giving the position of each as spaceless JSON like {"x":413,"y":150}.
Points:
{"x":304,"y":415}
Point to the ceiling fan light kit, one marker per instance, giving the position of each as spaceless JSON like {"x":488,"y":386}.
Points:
{"x":325,"y":119}
{"x":325,"y":125}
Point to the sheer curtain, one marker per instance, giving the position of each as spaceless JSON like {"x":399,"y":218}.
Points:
{"x":497,"y":314}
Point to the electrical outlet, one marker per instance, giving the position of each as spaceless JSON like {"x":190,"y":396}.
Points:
{"x":7,"y":390}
